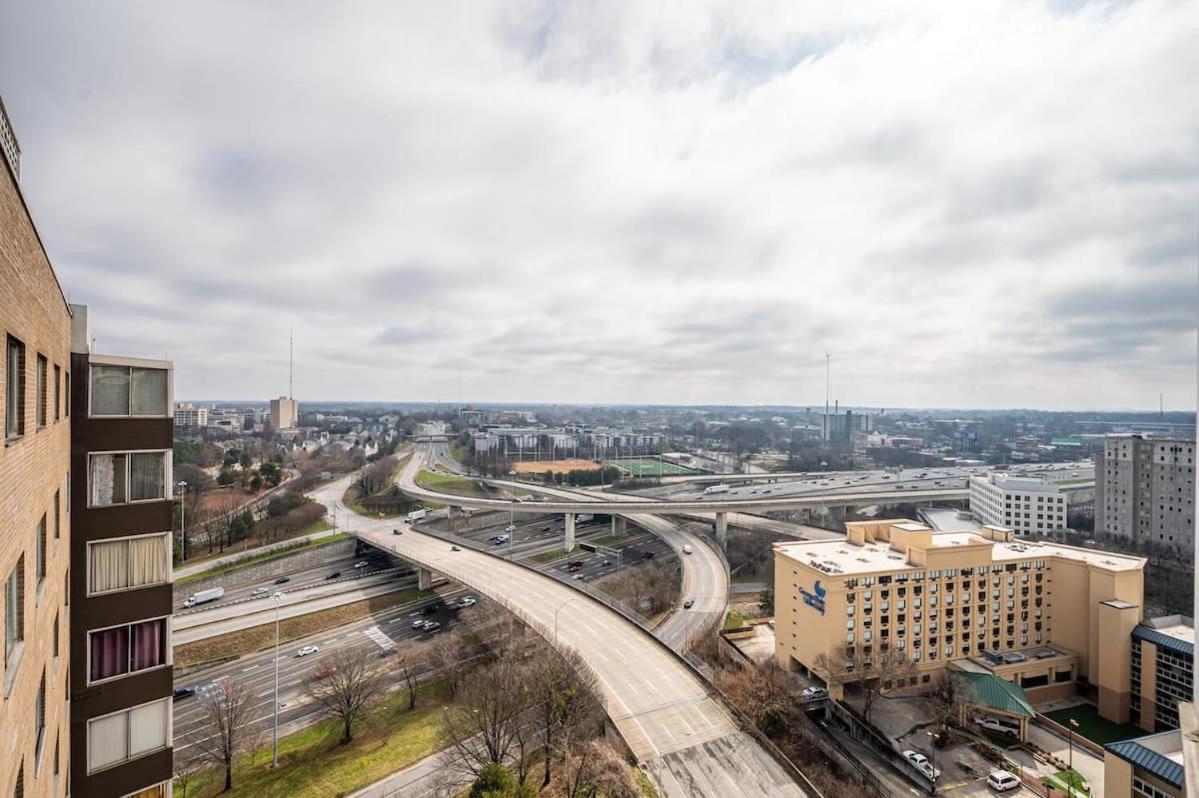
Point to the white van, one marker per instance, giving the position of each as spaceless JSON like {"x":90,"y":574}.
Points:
{"x":1002,"y":781}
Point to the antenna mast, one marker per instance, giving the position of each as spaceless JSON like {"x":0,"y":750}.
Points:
{"x":291,"y":363}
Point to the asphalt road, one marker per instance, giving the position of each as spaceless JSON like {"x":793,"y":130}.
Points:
{"x":256,"y":671}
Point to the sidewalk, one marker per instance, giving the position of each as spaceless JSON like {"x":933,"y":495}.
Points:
{"x":428,"y":778}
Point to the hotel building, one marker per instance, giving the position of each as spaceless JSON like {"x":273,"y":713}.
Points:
{"x":1024,"y":505}
{"x":982,"y":601}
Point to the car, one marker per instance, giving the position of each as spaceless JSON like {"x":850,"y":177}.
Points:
{"x":258,"y":591}
{"x":813,"y":693}
{"x":546,"y":528}
{"x":921,"y":763}
{"x":1002,"y":781}
{"x":455,"y":548}
{"x":334,"y":575}
{"x":397,"y":531}
{"x":431,"y":626}
{"x":430,"y":609}
{"x":325,"y":672}
{"x":579,"y":576}
{"x":468,"y":601}
{"x":687,"y":604}
{"x":306,"y":650}
{"x":418,"y":623}
{"x":282,"y":580}
{"x":360,"y":564}
{"x":184,"y":692}
{"x":607,"y":562}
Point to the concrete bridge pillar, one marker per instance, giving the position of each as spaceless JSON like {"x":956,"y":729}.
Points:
{"x":620,"y":525}
{"x":424,"y":578}
{"x":569,"y":545}
{"x":453,"y":513}
{"x":722,"y":529}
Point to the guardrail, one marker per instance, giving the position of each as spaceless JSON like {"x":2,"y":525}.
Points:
{"x":700,"y":670}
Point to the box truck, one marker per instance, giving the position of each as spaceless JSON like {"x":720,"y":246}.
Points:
{"x":417,"y":515}
{"x":204,"y":596}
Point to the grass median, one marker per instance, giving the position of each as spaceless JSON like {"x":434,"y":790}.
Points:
{"x":313,"y":763}
{"x":448,"y":483}
{"x":256,"y":638}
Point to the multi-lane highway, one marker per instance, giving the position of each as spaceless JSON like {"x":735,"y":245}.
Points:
{"x":256,"y":672}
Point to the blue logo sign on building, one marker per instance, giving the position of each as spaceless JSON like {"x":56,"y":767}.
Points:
{"x":814,"y":599}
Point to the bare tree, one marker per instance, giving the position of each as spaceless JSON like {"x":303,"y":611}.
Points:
{"x":949,"y":701}
{"x":445,"y":655}
{"x":482,"y":727}
{"x":226,"y":728}
{"x":409,"y":664}
{"x":874,"y":674}
{"x":563,"y":697}
{"x":354,"y":679}
{"x":187,"y":765}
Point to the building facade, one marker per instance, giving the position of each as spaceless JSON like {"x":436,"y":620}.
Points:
{"x":1163,"y":670}
{"x":1033,"y":613}
{"x":1145,"y":491}
{"x":1026,"y":506}
{"x":188,"y":416}
{"x":34,"y":525}
{"x":121,"y":551}
{"x":285,"y":413}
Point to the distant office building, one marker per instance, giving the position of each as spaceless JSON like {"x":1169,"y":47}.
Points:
{"x":9,"y":145}
{"x":1025,"y":505}
{"x":120,"y":578}
{"x":285,"y":413}
{"x":1163,"y":670}
{"x":839,"y":428}
{"x":1145,"y":491}
{"x":188,"y":416}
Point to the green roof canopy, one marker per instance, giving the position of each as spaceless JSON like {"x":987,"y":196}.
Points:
{"x":991,"y":691}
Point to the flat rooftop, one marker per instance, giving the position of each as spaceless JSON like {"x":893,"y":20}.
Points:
{"x":844,"y":557}
{"x":1020,"y":484}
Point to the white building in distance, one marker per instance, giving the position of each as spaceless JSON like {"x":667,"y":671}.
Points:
{"x":1026,"y":506}
{"x":285,"y":413}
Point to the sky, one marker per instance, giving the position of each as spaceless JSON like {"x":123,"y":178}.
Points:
{"x":981,"y":204}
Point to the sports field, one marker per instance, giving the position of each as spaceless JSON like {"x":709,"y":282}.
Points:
{"x":650,"y":467}
{"x":557,"y":466}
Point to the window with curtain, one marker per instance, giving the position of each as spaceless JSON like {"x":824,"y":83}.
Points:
{"x":147,"y":476}
{"x":107,"y":740}
{"x":128,"y":563}
{"x":147,"y":728}
{"x":128,"y":391}
{"x":127,"y":649}
{"x":106,"y":479}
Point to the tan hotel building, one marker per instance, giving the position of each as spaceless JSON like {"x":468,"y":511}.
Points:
{"x":1029,"y":612}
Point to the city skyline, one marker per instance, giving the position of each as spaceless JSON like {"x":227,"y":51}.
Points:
{"x":614,"y":207}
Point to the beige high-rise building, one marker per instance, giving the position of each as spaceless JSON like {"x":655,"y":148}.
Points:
{"x":285,"y":413}
{"x":983,"y":601}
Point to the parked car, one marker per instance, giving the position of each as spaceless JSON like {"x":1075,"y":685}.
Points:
{"x":921,"y":763}
{"x":1002,"y":781}
{"x":306,"y":650}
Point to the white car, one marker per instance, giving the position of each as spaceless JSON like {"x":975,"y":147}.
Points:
{"x":418,"y":623}
{"x":921,"y":763}
{"x":259,"y":591}
{"x":1002,"y":781}
{"x":361,"y":564}
{"x":468,"y":601}
{"x":306,"y":650}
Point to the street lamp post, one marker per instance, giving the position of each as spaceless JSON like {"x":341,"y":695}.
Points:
{"x":276,"y":597}
{"x":560,"y":606}
{"x":1070,"y":734}
{"x":182,"y":519}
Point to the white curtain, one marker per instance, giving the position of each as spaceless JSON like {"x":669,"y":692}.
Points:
{"x":147,"y":728}
{"x":110,"y":566}
{"x":147,"y":476}
{"x":148,"y":392}
{"x":107,"y":740}
{"x":148,"y":560}
{"x":110,"y":391}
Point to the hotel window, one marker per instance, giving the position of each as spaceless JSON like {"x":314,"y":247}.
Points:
{"x":42,"y":392}
{"x":128,"y":391}
{"x":126,"y":649}
{"x":127,"y":563}
{"x":41,"y":551}
{"x":39,"y":720}
{"x":57,"y":392}
{"x":57,"y":514}
{"x":14,"y":610}
{"x":14,"y":389}
{"x":127,"y":734}
{"x":123,"y":477}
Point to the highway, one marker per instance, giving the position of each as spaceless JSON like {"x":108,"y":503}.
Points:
{"x":256,"y":671}
{"x":661,"y":708}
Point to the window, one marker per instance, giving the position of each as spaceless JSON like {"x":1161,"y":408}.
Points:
{"x":56,"y":634}
{"x":126,"y":649}
{"x":42,"y":391}
{"x":57,"y":514}
{"x":67,"y":397}
{"x":128,"y":391}
{"x":57,"y":392}
{"x":14,"y":389}
{"x":19,"y":790}
{"x":126,"y":734}
{"x":127,"y":563}
{"x":41,"y":551}
{"x":39,"y":719}
{"x":122,"y":477}
{"x":14,"y":611}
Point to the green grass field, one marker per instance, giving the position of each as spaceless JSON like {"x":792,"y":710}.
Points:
{"x":449,"y":483}
{"x":650,"y":467}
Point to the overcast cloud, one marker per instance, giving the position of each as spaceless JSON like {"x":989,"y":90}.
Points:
{"x":969,"y":204}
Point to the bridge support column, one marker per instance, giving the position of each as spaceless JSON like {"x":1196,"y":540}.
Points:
{"x":453,"y":513}
{"x":569,"y":545}
{"x":424,"y":578}
{"x":722,"y":529}
{"x":620,"y":525}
